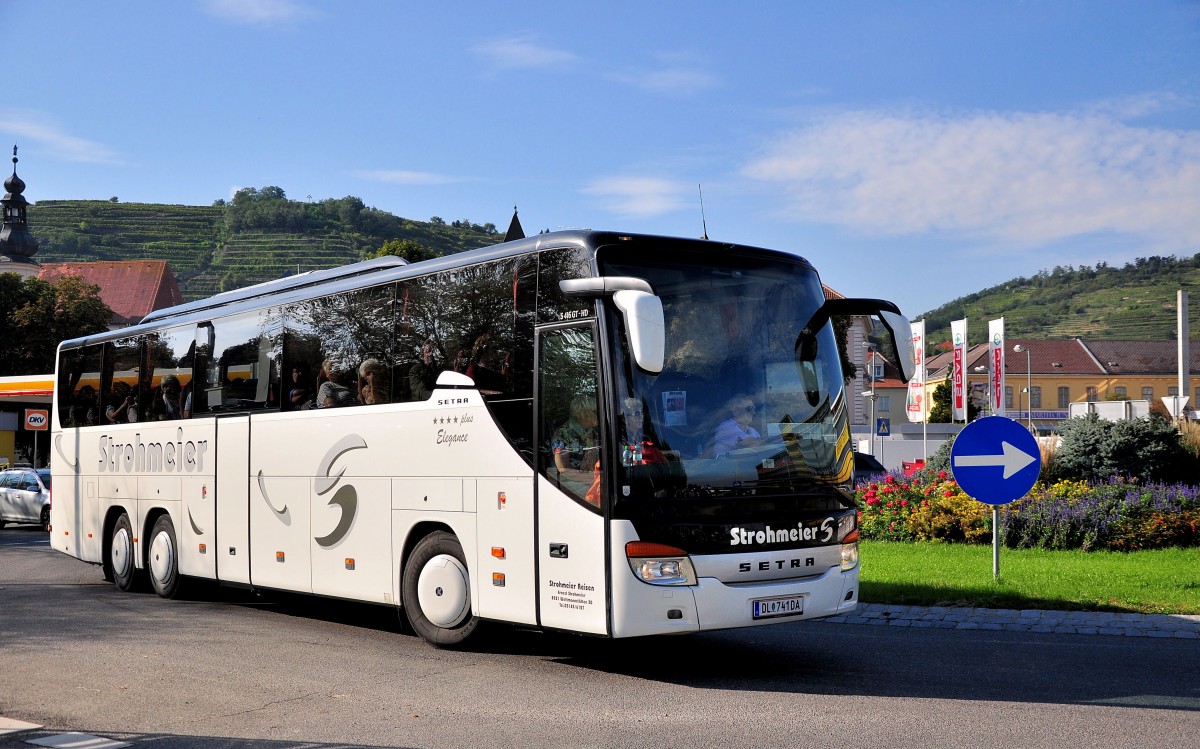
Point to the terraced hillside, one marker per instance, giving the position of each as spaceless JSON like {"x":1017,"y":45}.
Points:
{"x":257,"y":237}
{"x":1136,"y":301}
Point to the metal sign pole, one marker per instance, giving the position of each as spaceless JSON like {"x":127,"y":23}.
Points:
{"x":996,"y":542}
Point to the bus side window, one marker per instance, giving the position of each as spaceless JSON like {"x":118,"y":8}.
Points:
{"x":244,"y":373}
{"x":571,"y":455}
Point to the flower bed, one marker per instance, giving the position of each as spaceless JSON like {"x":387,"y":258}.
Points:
{"x":1118,"y":514}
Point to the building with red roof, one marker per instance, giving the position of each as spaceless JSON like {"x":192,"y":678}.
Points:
{"x":132,"y":288}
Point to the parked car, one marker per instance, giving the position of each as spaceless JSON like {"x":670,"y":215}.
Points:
{"x":25,"y":496}
{"x":867,"y":468}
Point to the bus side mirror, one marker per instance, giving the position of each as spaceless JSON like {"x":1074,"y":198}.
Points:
{"x":641,"y":310}
{"x":643,"y":314}
{"x":896,"y":324}
{"x":901,"y":332}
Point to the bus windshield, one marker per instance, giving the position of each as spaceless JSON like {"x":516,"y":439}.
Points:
{"x":745,"y":404}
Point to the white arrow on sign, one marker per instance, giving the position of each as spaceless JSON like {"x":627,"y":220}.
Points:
{"x":1013,"y":460}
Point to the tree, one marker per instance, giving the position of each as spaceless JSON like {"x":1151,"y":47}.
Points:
{"x":841,"y":333}
{"x":409,"y":249}
{"x":37,"y":315}
{"x":940,"y":410}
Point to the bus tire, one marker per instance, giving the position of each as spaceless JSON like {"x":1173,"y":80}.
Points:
{"x":163,"y":561}
{"x":436,"y":590}
{"x":120,"y":554}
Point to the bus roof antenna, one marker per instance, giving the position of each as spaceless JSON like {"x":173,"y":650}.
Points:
{"x":703,"y":221}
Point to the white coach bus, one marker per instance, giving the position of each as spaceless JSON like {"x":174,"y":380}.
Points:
{"x":607,"y":434}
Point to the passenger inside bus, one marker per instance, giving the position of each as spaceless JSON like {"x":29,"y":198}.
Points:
{"x":576,"y":446}
{"x":736,"y":432}
{"x":487,"y":366}
{"x":331,"y":390}
{"x":122,"y":409}
{"x":423,"y":375}
{"x":373,"y":386}
{"x":636,"y":449}
{"x":298,"y":393}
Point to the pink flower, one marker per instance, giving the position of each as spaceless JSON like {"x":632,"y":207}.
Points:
{"x":904,"y":503}
{"x":889,"y":479}
{"x":947,"y":493}
{"x":943,"y":475}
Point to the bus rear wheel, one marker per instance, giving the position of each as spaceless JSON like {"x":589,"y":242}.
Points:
{"x":120,"y":555}
{"x":164,"y":561}
{"x":436,"y":590}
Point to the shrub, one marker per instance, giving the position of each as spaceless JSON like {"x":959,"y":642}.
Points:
{"x":1094,"y":449}
{"x":1117,"y":514}
{"x":923,"y":509}
{"x":884,"y":509}
{"x":947,"y":514}
{"x":1155,"y":530}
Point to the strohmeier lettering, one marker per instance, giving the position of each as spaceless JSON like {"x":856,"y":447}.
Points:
{"x":739,"y":536}
{"x":179,"y":456}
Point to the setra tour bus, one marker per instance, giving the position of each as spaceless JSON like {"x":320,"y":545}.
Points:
{"x":599,"y":433}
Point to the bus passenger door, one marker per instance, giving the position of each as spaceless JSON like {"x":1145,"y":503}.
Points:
{"x":571,"y":531}
{"x":233,"y":499}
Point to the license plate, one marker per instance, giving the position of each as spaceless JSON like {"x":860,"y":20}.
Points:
{"x":765,"y":608}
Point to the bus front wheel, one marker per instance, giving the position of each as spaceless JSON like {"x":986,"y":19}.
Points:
{"x":436,"y":590}
{"x":164,"y":561}
{"x":120,"y":555}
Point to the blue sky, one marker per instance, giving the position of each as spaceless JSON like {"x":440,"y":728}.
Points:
{"x":912,"y":151}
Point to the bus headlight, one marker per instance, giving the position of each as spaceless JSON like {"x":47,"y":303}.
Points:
{"x":850,"y":551}
{"x":659,"y":564}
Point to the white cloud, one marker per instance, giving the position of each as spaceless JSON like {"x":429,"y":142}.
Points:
{"x":522,"y":52}
{"x":1017,"y":177}
{"x":259,"y":12}
{"x":676,"y":80}
{"x":403,"y":177}
{"x":638,"y":197}
{"x":50,"y":136}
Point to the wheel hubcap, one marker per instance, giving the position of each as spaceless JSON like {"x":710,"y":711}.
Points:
{"x":122,"y":553}
{"x":162,"y":558}
{"x":444,"y":592}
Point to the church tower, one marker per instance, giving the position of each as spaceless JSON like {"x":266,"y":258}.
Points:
{"x":17,"y":245}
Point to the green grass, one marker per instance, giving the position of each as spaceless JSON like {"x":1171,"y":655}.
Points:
{"x":1164,"y":581}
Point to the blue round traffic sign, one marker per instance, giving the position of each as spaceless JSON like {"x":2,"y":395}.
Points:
{"x":995,"y":460}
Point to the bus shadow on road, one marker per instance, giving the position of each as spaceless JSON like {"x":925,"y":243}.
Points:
{"x":821,"y":658}
{"x":170,"y":741}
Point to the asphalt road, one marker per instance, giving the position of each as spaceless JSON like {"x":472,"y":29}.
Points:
{"x":225,"y":668}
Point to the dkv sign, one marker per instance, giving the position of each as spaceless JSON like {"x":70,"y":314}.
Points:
{"x":37,"y":419}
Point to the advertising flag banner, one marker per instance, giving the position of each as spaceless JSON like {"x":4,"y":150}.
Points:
{"x":996,"y":365}
{"x":916,"y":407}
{"x":958,"y":396}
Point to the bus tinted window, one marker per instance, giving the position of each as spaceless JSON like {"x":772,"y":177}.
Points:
{"x":339,"y":350}
{"x":243,"y":372}
{"x":554,"y":266}
{"x":169,"y":357}
{"x":120,"y":381}
{"x":79,"y":386}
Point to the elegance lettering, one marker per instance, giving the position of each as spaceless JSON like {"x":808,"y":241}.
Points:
{"x":180,"y":456}
{"x":450,"y":438}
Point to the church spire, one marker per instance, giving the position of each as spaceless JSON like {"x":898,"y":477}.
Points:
{"x":17,"y":245}
{"x":514,"y":228}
